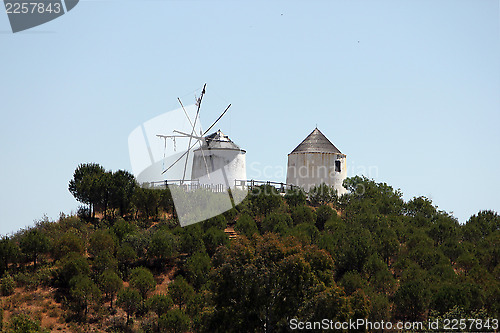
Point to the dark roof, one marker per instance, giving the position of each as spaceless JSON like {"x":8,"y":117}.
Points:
{"x":316,"y":142}
{"x":219,"y":140}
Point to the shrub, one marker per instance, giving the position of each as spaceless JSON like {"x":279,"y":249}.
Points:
{"x":7,"y":285}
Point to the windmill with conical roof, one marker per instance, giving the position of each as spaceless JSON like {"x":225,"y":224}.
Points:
{"x":315,"y":161}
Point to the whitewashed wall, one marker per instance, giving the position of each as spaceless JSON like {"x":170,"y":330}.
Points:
{"x":223,"y":165}
{"x":311,"y":169}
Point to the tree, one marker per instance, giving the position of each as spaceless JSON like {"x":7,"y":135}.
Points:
{"x":175,"y":321}
{"x":323,"y":214}
{"x":197,"y":268}
{"x":265,"y":199}
{"x":122,"y":228}
{"x":146,"y":201}
{"x":411,"y":300}
{"x":295,"y":197}
{"x":214,"y":238}
{"x":191,"y":239}
{"x":322,"y":194}
{"x":330,"y":303}
{"x":125,"y":255}
{"x":101,"y":241}
{"x":33,"y":244}
{"x":159,"y":304}
{"x":180,"y":291}
{"x":142,"y":280}
{"x":73,"y":264}
{"x":163,"y":245}
{"x":111,"y":284}
{"x":246,"y":225}
{"x":122,"y":191}
{"x":103,"y":262}
{"x":128,"y":299}
{"x":84,"y":292}
{"x":481,"y":225}
{"x":69,"y":242}
{"x":303,"y":214}
{"x":276,"y":222}
{"x":86,"y":185}
{"x":8,"y":251}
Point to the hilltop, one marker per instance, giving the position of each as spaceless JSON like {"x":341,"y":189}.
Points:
{"x":123,"y":263}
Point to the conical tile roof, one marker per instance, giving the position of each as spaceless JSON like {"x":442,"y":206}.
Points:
{"x":316,"y":142}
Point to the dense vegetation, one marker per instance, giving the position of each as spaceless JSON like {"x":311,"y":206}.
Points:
{"x":123,"y":264}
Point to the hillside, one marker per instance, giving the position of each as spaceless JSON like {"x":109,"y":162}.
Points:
{"x":123,"y":264}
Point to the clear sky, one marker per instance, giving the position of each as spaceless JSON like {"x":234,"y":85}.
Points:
{"x":408,"y":90}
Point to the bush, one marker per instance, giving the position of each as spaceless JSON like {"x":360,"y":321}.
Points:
{"x":323,"y":214}
{"x":295,"y":197}
{"x":23,"y":324}
{"x":174,"y":321}
{"x":322,"y":195}
{"x":7,"y":285}
{"x":276,"y":222}
{"x":303,"y":214}
{"x":246,"y":225}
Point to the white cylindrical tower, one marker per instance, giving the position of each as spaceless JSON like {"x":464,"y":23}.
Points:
{"x":316,"y":160}
{"x":219,"y":161}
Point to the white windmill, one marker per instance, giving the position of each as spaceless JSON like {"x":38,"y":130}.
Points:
{"x":216,"y":161}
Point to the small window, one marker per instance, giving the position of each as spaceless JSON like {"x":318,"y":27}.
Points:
{"x":337,"y":166}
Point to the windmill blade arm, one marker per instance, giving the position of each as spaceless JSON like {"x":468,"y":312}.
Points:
{"x":170,"y":136}
{"x":215,"y":122}
{"x":188,"y":135}
{"x":177,"y":160}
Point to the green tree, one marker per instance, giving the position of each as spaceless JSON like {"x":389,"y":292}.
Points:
{"x":146,"y":201}
{"x":163,"y":244}
{"x":8,"y":252}
{"x":246,"y":225}
{"x":84,"y":293}
{"x":197,"y":268}
{"x":159,"y":304}
{"x":480,"y":225}
{"x":276,"y":222}
{"x":68,"y":242}
{"x":122,"y":228}
{"x":122,"y":191}
{"x":265,"y":199}
{"x":143,"y":280}
{"x":175,"y":321}
{"x":180,"y":291}
{"x":125,"y":256}
{"x":330,"y":303}
{"x":323,"y":214}
{"x":129,"y":300}
{"x":322,"y":194}
{"x":86,"y":185}
{"x":214,"y":238}
{"x":111,"y":284}
{"x":34,"y":243}
{"x":191,"y":239}
{"x":303,"y":214}
{"x":295,"y":197}
{"x":73,"y":264}
{"x":101,"y":241}
{"x":411,"y":300}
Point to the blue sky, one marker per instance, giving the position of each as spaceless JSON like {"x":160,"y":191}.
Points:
{"x":409,"y":90}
